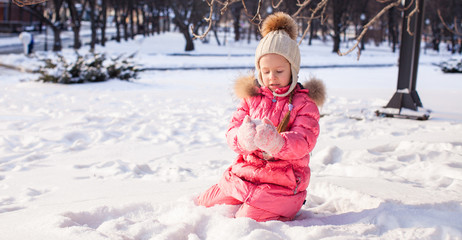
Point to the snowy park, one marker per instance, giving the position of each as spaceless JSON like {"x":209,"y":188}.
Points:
{"x":125,"y":159}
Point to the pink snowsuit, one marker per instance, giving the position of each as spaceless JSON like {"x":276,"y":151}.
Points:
{"x":273,"y":189}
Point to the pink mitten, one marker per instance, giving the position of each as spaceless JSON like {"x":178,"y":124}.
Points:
{"x":267,"y":138}
{"x":246,"y":134}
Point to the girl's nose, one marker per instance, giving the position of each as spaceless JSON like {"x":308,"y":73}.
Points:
{"x":272,"y":75}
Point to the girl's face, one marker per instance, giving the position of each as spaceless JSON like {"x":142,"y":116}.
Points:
{"x":275,"y":71}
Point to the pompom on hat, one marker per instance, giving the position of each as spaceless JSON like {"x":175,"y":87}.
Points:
{"x":279,"y":32}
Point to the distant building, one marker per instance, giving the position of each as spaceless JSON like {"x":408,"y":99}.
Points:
{"x":14,"y":19}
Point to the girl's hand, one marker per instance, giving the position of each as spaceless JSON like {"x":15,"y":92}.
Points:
{"x":246,"y":134}
{"x":267,"y":137}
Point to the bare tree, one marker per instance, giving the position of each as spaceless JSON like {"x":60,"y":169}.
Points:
{"x":449,"y":14}
{"x":443,"y":18}
{"x":120,"y":15}
{"x":117,"y":6}
{"x":53,"y":20}
{"x":92,"y":4}
{"x":131,"y":9}
{"x":76,"y":20}
{"x":443,"y":21}
{"x":393,"y":27}
{"x":236,"y":12}
{"x":359,"y":15}
{"x":124,"y":14}
{"x":339,"y":10}
{"x":103,"y":15}
{"x":189,"y":14}
{"x":319,"y":12}
{"x":216,"y":19}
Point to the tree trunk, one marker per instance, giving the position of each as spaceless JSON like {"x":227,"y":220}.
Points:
{"x":257,"y":34}
{"x":436,"y":36}
{"x":117,"y":24}
{"x":92,"y":24}
{"x":132,"y":23}
{"x":155,"y":18}
{"x":189,"y":41}
{"x":125,"y":26}
{"x":104,"y":20}
{"x":77,"y":43}
{"x":392,"y":28}
{"x":57,"y":6}
{"x":363,"y":40}
{"x":310,"y":39}
{"x":215,"y":33}
{"x":57,"y":45}
{"x":453,"y":42}
{"x":337,"y":21}
{"x":139,"y":29}
{"x":75,"y":24}
{"x":458,"y":17}
{"x":249,"y":33}
{"x":145,"y":23}
{"x":154,"y":22}
{"x":236,"y":11}
{"x":166,"y":20}
{"x":184,"y":30}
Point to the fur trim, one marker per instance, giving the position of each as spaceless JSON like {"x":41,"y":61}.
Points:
{"x":280,"y":21}
{"x":317,"y":90}
{"x":246,"y":86}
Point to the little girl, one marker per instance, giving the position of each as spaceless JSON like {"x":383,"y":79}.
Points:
{"x":271,"y":173}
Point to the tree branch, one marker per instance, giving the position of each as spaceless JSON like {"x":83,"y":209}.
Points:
{"x":277,"y":5}
{"x":366,"y":27}
{"x":322,"y":5}
{"x":301,"y":6}
{"x":209,"y":20}
{"x":319,"y":12}
{"x":22,"y":3}
{"x":414,"y":11}
{"x":456,"y":31}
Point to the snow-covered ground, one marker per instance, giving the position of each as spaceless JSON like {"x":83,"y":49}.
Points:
{"x":124,"y":160}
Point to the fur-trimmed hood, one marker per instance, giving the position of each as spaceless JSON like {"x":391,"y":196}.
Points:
{"x":247,"y":86}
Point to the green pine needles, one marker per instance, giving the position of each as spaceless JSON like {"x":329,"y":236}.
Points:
{"x":92,"y":67}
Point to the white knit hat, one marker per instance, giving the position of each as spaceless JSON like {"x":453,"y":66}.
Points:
{"x":279,"y":32}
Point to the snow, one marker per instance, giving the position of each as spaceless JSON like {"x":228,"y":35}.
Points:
{"x":124,"y":160}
